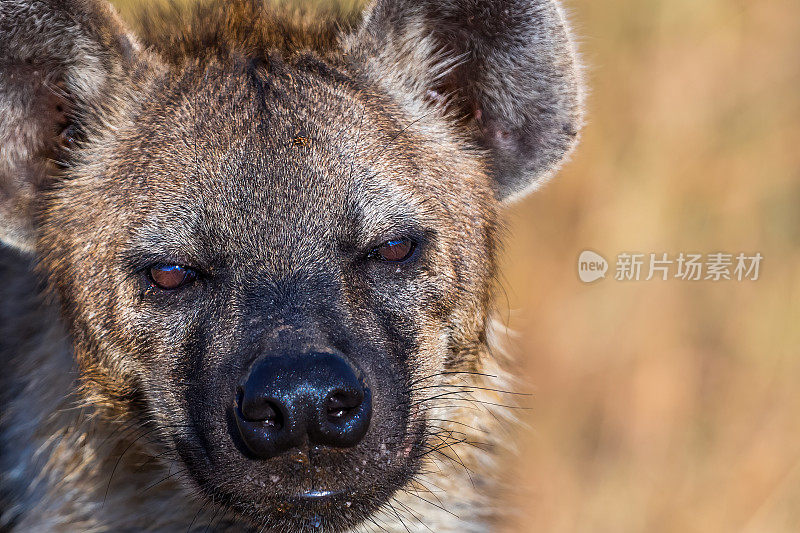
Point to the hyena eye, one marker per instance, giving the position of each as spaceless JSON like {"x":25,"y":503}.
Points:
{"x":171,"y":277}
{"x":395,"y":251}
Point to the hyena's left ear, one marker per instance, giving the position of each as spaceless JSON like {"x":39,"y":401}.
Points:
{"x":507,"y":68}
{"x":60,"y":60}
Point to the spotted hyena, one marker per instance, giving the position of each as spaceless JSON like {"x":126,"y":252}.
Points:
{"x":248,"y":259}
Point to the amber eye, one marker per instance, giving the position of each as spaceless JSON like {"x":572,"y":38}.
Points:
{"x":395,"y":251}
{"x":171,"y":277}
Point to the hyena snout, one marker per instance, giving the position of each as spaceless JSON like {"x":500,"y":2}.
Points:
{"x":288,"y":400}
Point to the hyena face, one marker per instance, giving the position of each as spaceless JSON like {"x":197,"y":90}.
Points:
{"x":271,"y":250}
{"x":278,"y":227}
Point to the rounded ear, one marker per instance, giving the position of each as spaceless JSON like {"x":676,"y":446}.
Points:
{"x":504,"y":70}
{"x":59,"y":59}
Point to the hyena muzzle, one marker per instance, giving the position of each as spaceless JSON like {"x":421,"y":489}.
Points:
{"x":249,"y":252}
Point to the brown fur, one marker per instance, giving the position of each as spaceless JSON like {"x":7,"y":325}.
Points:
{"x":269,"y":147}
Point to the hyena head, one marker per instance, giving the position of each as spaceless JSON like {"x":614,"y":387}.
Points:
{"x":273,"y":237}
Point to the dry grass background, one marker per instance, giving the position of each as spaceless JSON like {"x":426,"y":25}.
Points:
{"x":666,"y":406}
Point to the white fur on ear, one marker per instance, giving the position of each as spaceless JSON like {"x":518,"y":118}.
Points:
{"x":505,"y":70}
{"x":58,"y":59}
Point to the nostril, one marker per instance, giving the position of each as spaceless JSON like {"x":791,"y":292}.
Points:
{"x":272,"y":416}
{"x":344,"y":415}
{"x":264,"y":412}
{"x":340,"y":404}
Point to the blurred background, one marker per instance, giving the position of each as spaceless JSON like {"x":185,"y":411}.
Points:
{"x":665,"y":405}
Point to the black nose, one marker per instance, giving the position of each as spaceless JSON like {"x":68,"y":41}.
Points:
{"x":286,"y":399}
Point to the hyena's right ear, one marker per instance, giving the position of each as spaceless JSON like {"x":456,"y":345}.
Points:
{"x":505,"y":71}
{"x":60,"y":60}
